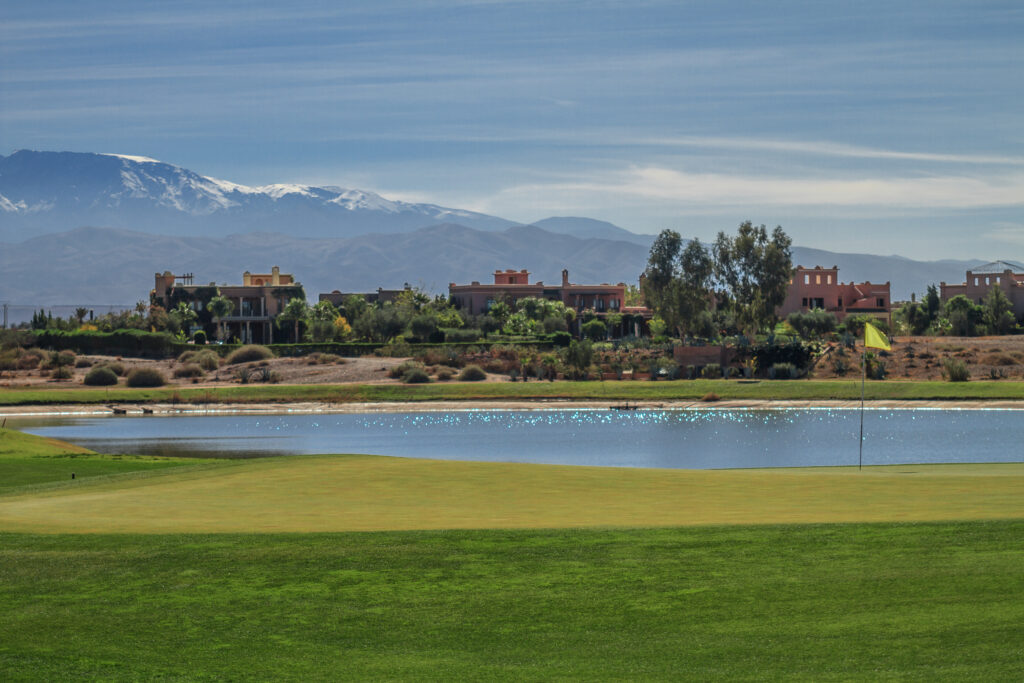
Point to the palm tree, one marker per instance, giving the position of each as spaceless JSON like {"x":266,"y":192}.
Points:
{"x":295,"y":310}
{"x":220,"y":307}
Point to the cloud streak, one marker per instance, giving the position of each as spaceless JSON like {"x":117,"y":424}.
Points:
{"x":685,"y":189}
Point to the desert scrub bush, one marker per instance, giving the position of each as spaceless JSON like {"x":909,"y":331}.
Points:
{"x":117,"y":367}
{"x":145,"y":377}
{"x":62,"y":372}
{"x":30,"y":359}
{"x":83,"y":363}
{"x":206,"y":359}
{"x":398,"y":371}
{"x":472,"y":373}
{"x":249,"y":353}
{"x":189,"y":370}
{"x":999,"y":359}
{"x":100,"y":376}
{"x":710,"y":397}
{"x":444,"y":375}
{"x":955,"y":370}
{"x":415,"y":376}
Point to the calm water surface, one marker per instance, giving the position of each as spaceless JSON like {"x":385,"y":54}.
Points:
{"x":701,"y":439}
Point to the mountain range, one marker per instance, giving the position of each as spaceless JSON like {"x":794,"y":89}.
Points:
{"x":78,"y":228}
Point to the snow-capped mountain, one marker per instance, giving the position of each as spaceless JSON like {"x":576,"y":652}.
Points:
{"x":44,"y":192}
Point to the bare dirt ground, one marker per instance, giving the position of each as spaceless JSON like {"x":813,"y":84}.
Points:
{"x":917,"y":358}
{"x":922,"y":358}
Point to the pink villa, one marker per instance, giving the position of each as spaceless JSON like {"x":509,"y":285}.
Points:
{"x":512,"y":285}
{"x":1006,"y":275}
{"x":820,"y":287}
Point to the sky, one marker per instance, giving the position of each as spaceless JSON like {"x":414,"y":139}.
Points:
{"x":876,"y":127}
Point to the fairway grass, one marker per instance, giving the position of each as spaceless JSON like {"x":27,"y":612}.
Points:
{"x":369,"y":493}
{"x":817,"y":603}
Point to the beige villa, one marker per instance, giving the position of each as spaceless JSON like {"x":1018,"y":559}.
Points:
{"x":258,"y":300}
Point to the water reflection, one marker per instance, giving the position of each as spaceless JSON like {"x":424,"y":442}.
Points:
{"x":644,"y":438}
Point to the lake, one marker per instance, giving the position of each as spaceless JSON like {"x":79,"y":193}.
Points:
{"x":691,"y":438}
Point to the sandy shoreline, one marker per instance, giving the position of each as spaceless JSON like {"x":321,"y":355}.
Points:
{"x":313,"y":408}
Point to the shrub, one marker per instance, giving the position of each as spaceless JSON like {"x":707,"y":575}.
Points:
{"x":415,"y":376}
{"x":117,"y":367}
{"x":999,"y":359}
{"x":145,"y":377}
{"x":444,"y":375}
{"x":561,"y":338}
{"x":61,"y":372}
{"x":208,"y":360}
{"x":30,"y":359}
{"x":710,"y":397}
{"x":462,"y":334}
{"x":100,"y":376}
{"x":249,"y":353}
{"x":199,"y":338}
{"x":955,"y":370}
{"x":783,"y":371}
{"x":189,"y":370}
{"x":399,"y":371}
{"x":712,"y":371}
{"x":83,"y":363}
{"x":472,"y":373}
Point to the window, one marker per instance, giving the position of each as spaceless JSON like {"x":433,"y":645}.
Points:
{"x":840,"y":302}
{"x":817,"y":279}
{"x":804,"y":302}
{"x":807,"y":279}
{"x":975,"y":282}
{"x":880,"y":302}
{"x":828,"y":279}
{"x":986,"y":281}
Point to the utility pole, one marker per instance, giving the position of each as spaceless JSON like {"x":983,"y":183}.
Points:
{"x":5,"y":316}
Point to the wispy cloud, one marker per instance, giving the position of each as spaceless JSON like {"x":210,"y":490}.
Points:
{"x":685,"y":189}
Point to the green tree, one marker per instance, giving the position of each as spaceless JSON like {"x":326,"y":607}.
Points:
{"x":998,"y":313}
{"x":220,"y":307}
{"x":964,"y":316}
{"x":813,"y":324}
{"x":595,"y":330}
{"x":753,"y":271}
{"x":579,"y":355}
{"x":932,"y":303}
{"x":295,"y":311}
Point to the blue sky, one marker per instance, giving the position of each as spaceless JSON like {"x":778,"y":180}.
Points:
{"x":881,"y":127}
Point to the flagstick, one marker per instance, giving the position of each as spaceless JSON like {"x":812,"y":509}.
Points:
{"x":864,"y":375}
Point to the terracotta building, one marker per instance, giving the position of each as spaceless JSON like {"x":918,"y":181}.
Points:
{"x":512,"y":285}
{"x":1006,"y":275}
{"x":337,"y":297}
{"x":819,"y":287}
{"x":258,"y":300}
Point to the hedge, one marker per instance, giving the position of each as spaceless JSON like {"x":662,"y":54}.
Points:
{"x":133,"y":343}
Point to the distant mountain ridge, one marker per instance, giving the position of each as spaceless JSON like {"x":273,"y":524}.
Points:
{"x":44,"y":192}
{"x":107,"y":265}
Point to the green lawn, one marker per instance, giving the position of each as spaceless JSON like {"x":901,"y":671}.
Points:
{"x":458,"y":391}
{"x":813,"y":602}
{"x":29,"y":461}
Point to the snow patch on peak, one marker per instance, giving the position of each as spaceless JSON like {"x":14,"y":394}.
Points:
{"x":282,"y":189}
{"x":129,"y":157}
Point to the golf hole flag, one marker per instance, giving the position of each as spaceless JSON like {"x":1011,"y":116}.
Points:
{"x":874,"y":339}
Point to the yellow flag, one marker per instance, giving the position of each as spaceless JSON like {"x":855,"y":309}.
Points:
{"x":874,"y":339}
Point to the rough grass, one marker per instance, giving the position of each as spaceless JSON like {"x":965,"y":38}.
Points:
{"x":614,"y":391}
{"x":368,"y":493}
{"x":821,"y":602}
